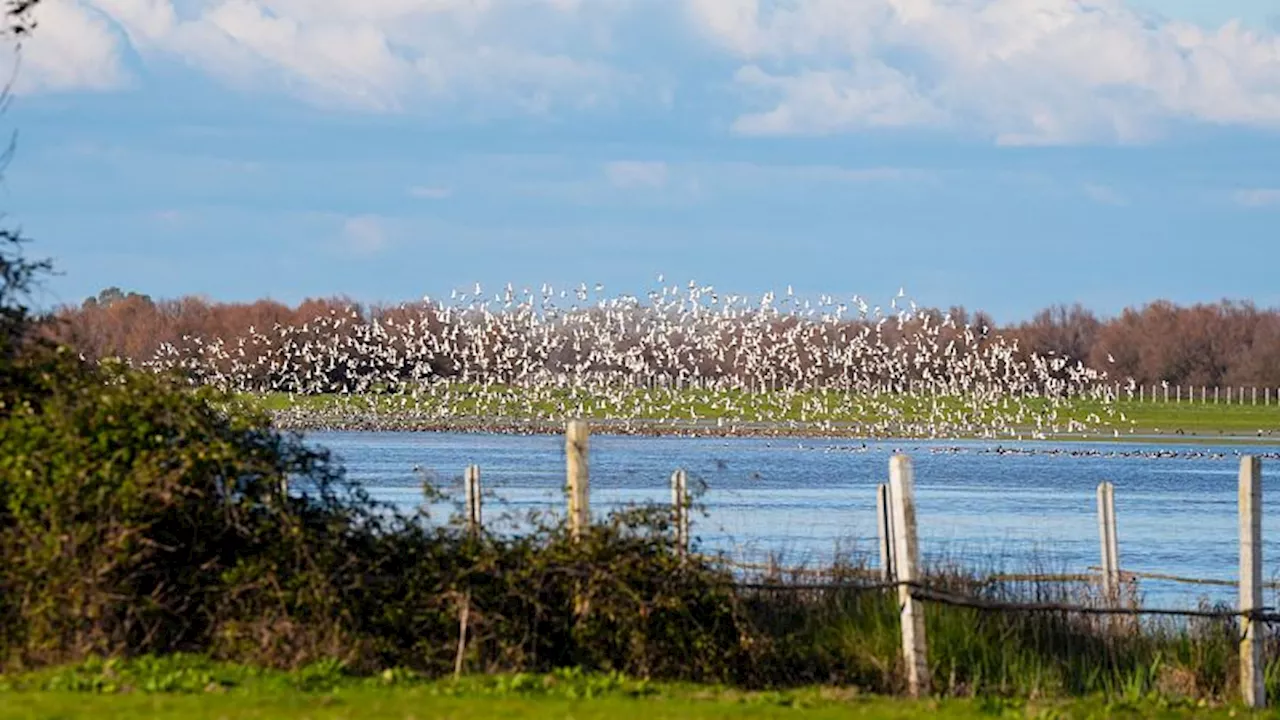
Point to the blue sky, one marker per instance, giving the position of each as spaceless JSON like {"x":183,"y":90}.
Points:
{"x":997,"y":154}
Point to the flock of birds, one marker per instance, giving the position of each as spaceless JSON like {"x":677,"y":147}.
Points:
{"x":686,"y":357}
{"x":1057,"y":452}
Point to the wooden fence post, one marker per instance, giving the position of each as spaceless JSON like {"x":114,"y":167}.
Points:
{"x":884,"y":523}
{"x":680,"y":510}
{"x":1252,"y":684}
{"x":578,"y":483}
{"x":1107,"y":538}
{"x":907,"y":565}
{"x":472,"y":480}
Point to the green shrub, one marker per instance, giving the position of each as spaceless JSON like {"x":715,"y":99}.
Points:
{"x":139,"y":516}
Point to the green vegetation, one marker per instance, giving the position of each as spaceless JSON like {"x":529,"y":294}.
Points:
{"x":193,"y":688}
{"x":142,"y":519}
{"x":138,"y":516}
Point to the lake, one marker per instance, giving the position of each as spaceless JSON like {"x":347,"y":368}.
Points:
{"x":1007,"y":506}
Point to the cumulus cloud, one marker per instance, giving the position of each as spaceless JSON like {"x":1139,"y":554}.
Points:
{"x":376,"y":56}
{"x":1018,"y":71}
{"x":74,"y":48}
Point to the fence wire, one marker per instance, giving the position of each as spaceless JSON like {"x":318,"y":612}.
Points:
{"x":925,"y":593}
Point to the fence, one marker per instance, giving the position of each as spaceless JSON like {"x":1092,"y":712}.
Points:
{"x":1199,"y":394}
{"x":900,"y":566}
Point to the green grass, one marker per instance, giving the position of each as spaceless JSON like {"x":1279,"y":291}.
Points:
{"x":417,"y":703}
{"x":193,"y":688}
{"x":825,"y":412}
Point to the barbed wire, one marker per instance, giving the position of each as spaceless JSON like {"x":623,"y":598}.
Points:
{"x":925,"y":593}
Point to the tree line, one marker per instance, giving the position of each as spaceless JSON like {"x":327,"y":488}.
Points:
{"x":1226,"y":343}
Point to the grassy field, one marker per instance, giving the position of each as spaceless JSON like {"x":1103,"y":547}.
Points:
{"x":417,"y":704}
{"x":797,"y":413}
{"x":197,"y":690}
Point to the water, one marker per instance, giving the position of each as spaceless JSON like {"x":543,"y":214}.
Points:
{"x":806,"y":497}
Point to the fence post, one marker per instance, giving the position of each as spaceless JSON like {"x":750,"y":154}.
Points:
{"x":1107,"y":539}
{"x":578,"y":482}
{"x":906,"y":563}
{"x":680,"y":510}
{"x":1251,"y":661}
{"x":472,"y":480}
{"x":884,"y":523}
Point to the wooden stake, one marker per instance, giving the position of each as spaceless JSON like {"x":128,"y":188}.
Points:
{"x":578,"y":483}
{"x":680,"y":509}
{"x":1108,"y":542}
{"x":884,"y":523}
{"x":472,"y":480}
{"x":907,"y":560}
{"x":1252,"y":686}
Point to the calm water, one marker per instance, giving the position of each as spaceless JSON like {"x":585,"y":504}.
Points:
{"x":806,"y":497}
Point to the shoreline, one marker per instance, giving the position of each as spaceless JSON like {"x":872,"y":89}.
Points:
{"x":289,"y":421}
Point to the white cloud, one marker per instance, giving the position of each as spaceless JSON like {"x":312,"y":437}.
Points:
{"x":1258,"y":197}
{"x":73,"y":48}
{"x":631,"y":174}
{"x":1017,"y":71}
{"x":383,"y":55}
{"x":364,"y":235}
{"x":873,"y":96}
{"x":430,"y":192}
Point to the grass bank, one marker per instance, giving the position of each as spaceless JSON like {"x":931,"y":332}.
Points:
{"x":194,"y":688}
{"x":818,"y":413}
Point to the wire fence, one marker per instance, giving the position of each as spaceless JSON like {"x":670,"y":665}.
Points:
{"x":900,"y":570}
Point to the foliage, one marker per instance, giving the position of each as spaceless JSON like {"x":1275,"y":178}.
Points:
{"x":139,"y":516}
{"x":136,"y":516}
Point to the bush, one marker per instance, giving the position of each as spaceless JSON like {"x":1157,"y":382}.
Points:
{"x":619,"y":599}
{"x":135,"y":514}
{"x":138,"y":515}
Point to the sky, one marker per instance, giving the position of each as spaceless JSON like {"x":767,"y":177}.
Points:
{"x":1002,"y":155}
